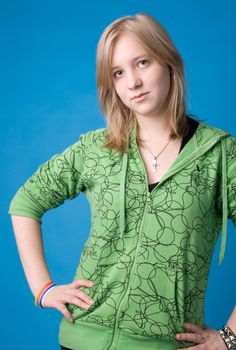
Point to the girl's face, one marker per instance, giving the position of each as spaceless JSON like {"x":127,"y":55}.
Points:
{"x":135,"y":72}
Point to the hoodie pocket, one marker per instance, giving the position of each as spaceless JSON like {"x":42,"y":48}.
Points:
{"x":99,"y":274}
{"x":155,"y":303}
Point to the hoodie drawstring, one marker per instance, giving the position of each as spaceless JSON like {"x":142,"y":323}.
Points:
{"x":122,"y":193}
{"x":224,"y":203}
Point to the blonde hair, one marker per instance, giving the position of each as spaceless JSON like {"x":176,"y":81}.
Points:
{"x":153,"y":37}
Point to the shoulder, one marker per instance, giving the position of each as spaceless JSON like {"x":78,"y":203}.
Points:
{"x":93,"y":136}
{"x":87,"y":139}
{"x":207,"y":132}
{"x":227,"y":143}
{"x":209,"y":129}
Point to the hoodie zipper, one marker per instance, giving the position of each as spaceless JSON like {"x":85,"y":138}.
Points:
{"x":116,"y":331}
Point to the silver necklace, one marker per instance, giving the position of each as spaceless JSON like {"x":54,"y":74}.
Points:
{"x":154,"y":162}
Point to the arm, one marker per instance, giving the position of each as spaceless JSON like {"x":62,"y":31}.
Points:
{"x":29,"y":241}
{"x":231,"y":187}
{"x":57,"y":179}
{"x":210,"y":337}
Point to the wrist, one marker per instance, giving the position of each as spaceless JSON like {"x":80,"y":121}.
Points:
{"x":38,"y":301}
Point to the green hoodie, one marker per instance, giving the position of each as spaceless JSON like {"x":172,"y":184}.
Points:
{"x":148,"y":253}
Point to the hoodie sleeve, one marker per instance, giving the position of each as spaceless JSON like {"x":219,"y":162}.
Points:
{"x":57,"y":179}
{"x":230,"y":155}
{"x":231,"y":178}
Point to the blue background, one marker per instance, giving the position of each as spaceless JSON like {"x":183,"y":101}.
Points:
{"x":48,"y":97}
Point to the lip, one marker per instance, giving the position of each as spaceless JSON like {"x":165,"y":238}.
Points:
{"x":137,"y":97}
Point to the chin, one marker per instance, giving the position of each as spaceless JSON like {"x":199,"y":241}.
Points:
{"x":146,"y":112}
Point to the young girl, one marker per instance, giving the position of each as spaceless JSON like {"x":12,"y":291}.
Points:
{"x":160,"y":184}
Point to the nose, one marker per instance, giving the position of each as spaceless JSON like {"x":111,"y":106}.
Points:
{"x":133,"y":80}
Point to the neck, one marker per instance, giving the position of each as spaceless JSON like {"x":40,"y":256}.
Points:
{"x":153,"y":128}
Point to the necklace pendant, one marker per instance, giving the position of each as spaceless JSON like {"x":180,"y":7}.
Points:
{"x":155,"y":165}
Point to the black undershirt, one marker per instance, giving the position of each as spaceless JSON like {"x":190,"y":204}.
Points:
{"x":192,"y":124}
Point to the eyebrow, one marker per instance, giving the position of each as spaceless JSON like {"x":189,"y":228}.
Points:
{"x":134,"y":59}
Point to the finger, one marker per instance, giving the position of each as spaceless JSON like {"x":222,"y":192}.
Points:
{"x":193,"y":327}
{"x":191,"y":348}
{"x":65,"y":312}
{"x":81,"y":295}
{"x":192,"y":337}
{"x":85,"y":297}
{"x":71,"y":299}
{"x":81,"y":283}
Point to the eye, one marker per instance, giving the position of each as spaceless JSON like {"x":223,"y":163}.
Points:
{"x":143,"y":62}
{"x":115,"y":75}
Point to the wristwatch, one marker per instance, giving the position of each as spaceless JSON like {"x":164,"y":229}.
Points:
{"x":228,"y":337}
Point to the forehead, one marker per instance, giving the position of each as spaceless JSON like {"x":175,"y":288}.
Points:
{"x":126,"y":48}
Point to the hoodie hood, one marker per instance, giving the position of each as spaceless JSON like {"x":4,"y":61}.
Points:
{"x":200,"y":143}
